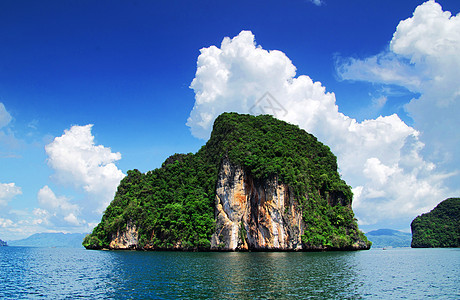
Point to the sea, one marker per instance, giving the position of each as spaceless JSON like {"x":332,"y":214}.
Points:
{"x":397,"y":273}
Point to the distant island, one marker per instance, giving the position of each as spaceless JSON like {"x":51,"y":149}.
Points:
{"x":58,"y":240}
{"x":3,"y":243}
{"x":440,"y":228}
{"x":258,"y":184}
{"x":383,"y":238}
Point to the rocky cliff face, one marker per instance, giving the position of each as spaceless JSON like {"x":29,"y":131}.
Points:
{"x":250,"y":214}
{"x":125,"y":239}
{"x":255,"y":215}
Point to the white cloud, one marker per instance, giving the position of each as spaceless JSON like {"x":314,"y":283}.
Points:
{"x":379,"y":102}
{"x":58,"y":206}
{"x":41,"y":216}
{"x":5,"y":117}
{"x":317,"y":2}
{"x":7,"y":192}
{"x":72,"y":219}
{"x":8,"y":141}
{"x":415,"y":188}
{"x":381,"y":158}
{"x":77,"y":161}
{"x":57,"y":217}
{"x":423,"y":56}
{"x":385,"y":67}
{"x":56,"y":209}
{"x":5,"y":223}
{"x":233,"y":78}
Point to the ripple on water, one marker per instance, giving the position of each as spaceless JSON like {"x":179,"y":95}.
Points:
{"x":77,"y":273}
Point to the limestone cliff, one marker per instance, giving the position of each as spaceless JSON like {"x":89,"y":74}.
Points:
{"x":125,"y":238}
{"x":254,"y":214}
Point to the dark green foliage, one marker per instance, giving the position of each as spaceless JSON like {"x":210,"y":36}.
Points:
{"x":267,"y":147}
{"x":439,"y":228}
{"x":173,"y":206}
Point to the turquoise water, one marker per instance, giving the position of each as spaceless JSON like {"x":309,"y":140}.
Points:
{"x":376,"y":274}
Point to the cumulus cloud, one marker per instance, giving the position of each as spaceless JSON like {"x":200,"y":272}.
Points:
{"x":58,"y":206}
{"x":41,"y":216}
{"x":57,"y":217}
{"x":5,"y":223}
{"x":90,"y":172}
{"x":233,"y":77}
{"x":423,"y":56}
{"x":380,"y":157}
{"x":7,"y":192}
{"x":78,"y":162}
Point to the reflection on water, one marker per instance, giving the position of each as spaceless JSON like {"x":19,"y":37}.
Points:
{"x":238,"y":275}
{"x":377,"y":274}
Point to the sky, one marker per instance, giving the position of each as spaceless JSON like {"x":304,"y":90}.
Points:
{"x":92,"y":89}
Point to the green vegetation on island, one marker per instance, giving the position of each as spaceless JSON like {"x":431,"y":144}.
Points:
{"x":440,"y":228}
{"x":3,"y":243}
{"x":172,"y":207}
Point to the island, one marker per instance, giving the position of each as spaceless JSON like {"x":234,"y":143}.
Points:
{"x":439,"y":228}
{"x":3,"y":243}
{"x":258,"y":184}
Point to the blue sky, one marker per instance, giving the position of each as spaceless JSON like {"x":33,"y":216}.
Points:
{"x":127,"y":68}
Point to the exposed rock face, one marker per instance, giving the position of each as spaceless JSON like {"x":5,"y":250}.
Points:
{"x":125,"y":239}
{"x":250,"y":215}
{"x":254,"y":215}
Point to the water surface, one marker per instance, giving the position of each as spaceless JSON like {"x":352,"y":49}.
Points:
{"x":377,"y":274}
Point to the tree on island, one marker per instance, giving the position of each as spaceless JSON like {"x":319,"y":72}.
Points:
{"x":440,"y":228}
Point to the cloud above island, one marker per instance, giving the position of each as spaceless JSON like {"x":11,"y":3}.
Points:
{"x":383,"y":158}
{"x":59,"y":208}
{"x":84,"y":167}
{"x":78,"y":162}
{"x":84,"y":174}
{"x":423,"y":56}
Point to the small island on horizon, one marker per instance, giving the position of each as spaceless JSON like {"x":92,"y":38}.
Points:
{"x":50,"y":239}
{"x":385,"y":238}
{"x":259,"y":184}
